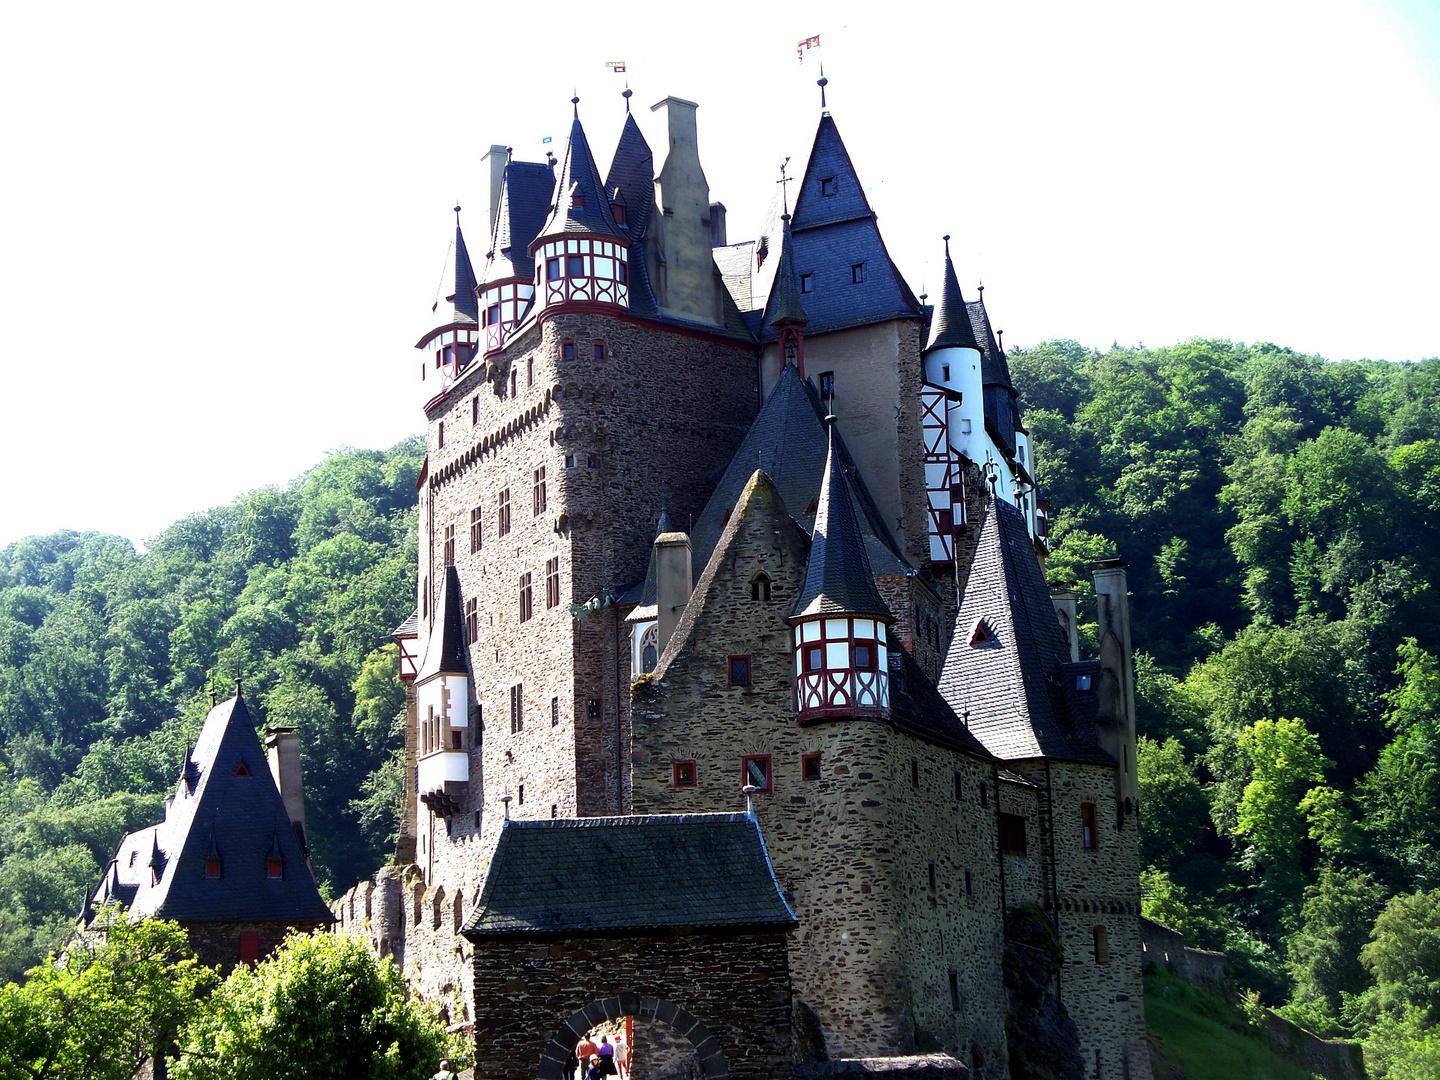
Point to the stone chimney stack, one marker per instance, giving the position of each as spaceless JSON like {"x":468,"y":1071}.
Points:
{"x":717,"y":225}
{"x":1067,"y":611}
{"x":1115,"y":694}
{"x":283,"y":745}
{"x":495,"y":159}
{"x":687,"y":277}
{"x":673,"y":582}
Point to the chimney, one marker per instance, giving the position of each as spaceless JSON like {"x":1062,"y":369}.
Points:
{"x":717,"y":225}
{"x":672,"y":581}
{"x":497,"y":158}
{"x":1115,"y":694}
{"x":283,"y":744}
{"x":682,"y":195}
{"x":1067,"y":612}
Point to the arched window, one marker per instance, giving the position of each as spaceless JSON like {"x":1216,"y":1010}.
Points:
{"x":649,"y":650}
{"x":760,"y":587}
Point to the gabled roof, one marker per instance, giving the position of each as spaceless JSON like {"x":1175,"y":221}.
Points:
{"x":579,"y":175}
{"x":463,"y":299}
{"x":838,"y":578}
{"x":788,"y":441}
{"x":831,"y":234}
{"x":445,"y":645}
{"x":642,"y":594}
{"x":1013,"y":688}
{"x":916,"y":706}
{"x":709,"y":871}
{"x":632,"y":173}
{"x":784,"y":304}
{"x":524,"y":203}
{"x":240,"y":819}
{"x":994,"y":370}
{"x":951,"y":328}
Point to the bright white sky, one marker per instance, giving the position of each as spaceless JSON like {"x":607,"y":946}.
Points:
{"x":221,"y":226}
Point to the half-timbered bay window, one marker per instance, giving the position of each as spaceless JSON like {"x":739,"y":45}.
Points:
{"x":586,"y":269}
{"x":841,"y":667}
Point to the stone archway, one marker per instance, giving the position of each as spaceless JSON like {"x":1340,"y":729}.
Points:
{"x":713,"y":1065}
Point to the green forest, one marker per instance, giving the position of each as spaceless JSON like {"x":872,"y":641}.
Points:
{"x":1280,"y":515}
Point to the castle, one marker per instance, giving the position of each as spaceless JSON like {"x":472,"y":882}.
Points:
{"x":715,"y":534}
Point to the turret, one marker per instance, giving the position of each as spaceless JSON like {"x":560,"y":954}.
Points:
{"x":507,"y":285}
{"x":784,"y":311}
{"x":581,"y":253}
{"x":442,"y":706}
{"x":839,"y":620}
{"x":451,"y":345}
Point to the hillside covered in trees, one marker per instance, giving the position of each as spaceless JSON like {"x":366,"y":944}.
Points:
{"x":1281,"y":518}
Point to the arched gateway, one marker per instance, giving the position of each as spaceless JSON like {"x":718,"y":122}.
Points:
{"x":687,"y":931}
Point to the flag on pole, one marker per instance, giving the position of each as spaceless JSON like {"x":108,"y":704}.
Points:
{"x":616,"y":66}
{"x":545,"y":140}
{"x":804,"y":48}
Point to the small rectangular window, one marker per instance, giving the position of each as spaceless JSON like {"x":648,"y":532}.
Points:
{"x":619,"y":213}
{"x":857,"y":273}
{"x":475,"y":409}
{"x":914,"y":772}
{"x":598,"y":350}
{"x":592,"y":709}
{"x":530,"y":372}
{"x":492,"y":315}
{"x":932,"y":877}
{"x":1102,"y":945}
{"x":552,"y":583}
{"x":502,"y":526}
{"x":682,"y":774}
{"x":954,"y":991}
{"x":755,"y":771}
{"x":1082,"y":683}
{"x":1012,"y":834}
{"x":984,"y":794}
{"x":249,"y":946}
{"x":554,"y":712}
{"x":622,"y":273}
{"x":521,"y":800}
{"x":809,"y":766}
{"x":274,"y":868}
{"x":441,"y":434}
{"x":472,"y":620}
{"x":567,"y":350}
{"x":513,"y":374}
{"x":827,"y":386}
{"x":574,"y":266}
{"x":592,"y":461}
{"x":212,"y":868}
{"x":807,"y":283}
{"x":517,"y":708}
{"x":569,"y":461}
{"x":449,"y":545}
{"x":739,"y":671}
{"x":552,"y":268}
{"x":538,"y":492}
{"x":475,"y":517}
{"x":959,"y":788}
{"x":457,"y":739}
{"x":527,"y":602}
{"x":1089,"y":834}
{"x":828,"y":186}
{"x":968,"y":889}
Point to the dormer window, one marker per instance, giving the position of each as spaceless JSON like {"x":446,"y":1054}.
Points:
{"x":828,"y":187}
{"x":857,"y":273}
{"x":212,"y":868}
{"x":274,"y":869}
{"x":577,"y":200}
{"x":619,"y":215}
{"x":807,"y":283}
{"x":242,"y":769}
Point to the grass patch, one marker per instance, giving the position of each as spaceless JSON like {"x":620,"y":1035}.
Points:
{"x":1203,"y":1035}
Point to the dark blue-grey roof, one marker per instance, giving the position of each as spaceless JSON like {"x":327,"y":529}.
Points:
{"x":838,"y":578}
{"x":524,"y":203}
{"x":950,"y":328}
{"x":707,"y":871}
{"x":232,"y":813}
{"x":1012,"y":687}
{"x":632,"y":174}
{"x":445,"y":645}
{"x":463,"y":298}
{"x":788,"y":441}
{"x":784,"y":304}
{"x":579,"y":177}
{"x":832,"y":234}
{"x":917,"y":707}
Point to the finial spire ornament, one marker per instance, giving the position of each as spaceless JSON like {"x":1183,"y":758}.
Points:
{"x":822,"y":82}
{"x":457,"y":215}
{"x":239,"y":690}
{"x":784,"y":191}
{"x":575,"y":102}
{"x":627,"y":94}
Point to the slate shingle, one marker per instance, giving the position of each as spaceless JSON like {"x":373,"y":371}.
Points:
{"x":524,"y":203}
{"x":628,"y":874}
{"x":445,"y":647}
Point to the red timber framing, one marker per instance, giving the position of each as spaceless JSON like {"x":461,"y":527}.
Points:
{"x":944,"y":482}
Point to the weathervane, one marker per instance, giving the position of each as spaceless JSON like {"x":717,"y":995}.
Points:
{"x":784,"y":191}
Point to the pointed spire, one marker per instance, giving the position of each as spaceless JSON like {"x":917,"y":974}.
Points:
{"x":464,"y":298}
{"x":157,"y":857}
{"x":785,"y":305}
{"x":445,"y":647}
{"x":275,"y":854}
{"x":663,"y":525}
{"x":950,"y":328}
{"x":838,"y":578}
{"x":822,"y":82}
{"x":579,"y":203}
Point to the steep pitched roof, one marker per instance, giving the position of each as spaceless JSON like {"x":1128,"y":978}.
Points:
{"x":838,"y":578}
{"x":580,"y":176}
{"x":234,"y":813}
{"x":642,"y":594}
{"x":1013,"y":687}
{"x":788,"y":441}
{"x":524,"y":204}
{"x":784,"y":303}
{"x":917,"y":707}
{"x":465,"y":301}
{"x":632,"y":173}
{"x":445,"y":647}
{"x":1002,"y":407}
{"x":994,"y":371}
{"x":833,"y":229}
{"x":693,"y":870}
{"x":950,"y":328}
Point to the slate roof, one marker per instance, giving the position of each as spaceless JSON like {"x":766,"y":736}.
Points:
{"x":683,"y":870}
{"x":1002,"y":408}
{"x":238,"y":818}
{"x":445,"y":645}
{"x":784,"y":303}
{"x":838,"y":578}
{"x":788,"y":441}
{"x":632,"y":174}
{"x":1014,"y":688}
{"x":410,"y":627}
{"x":578,"y":174}
{"x":642,"y":594}
{"x":830,"y":234}
{"x":524,"y":204}
{"x":950,"y":326}
{"x":465,"y":301}
{"x":917,"y":707}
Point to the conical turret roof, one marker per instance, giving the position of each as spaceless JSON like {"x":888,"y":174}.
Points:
{"x":784,"y":303}
{"x":524,"y":204}
{"x":445,"y":647}
{"x":838,"y":578}
{"x":951,"y":328}
{"x":463,"y":298}
{"x":579,"y":203}
{"x":632,"y":174}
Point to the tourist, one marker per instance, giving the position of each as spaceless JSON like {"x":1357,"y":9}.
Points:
{"x":622,"y":1057}
{"x":593,"y":1072}
{"x":585,"y":1049}
{"x":572,"y":1066}
{"x":446,"y":1072}
{"x":607,"y":1056}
